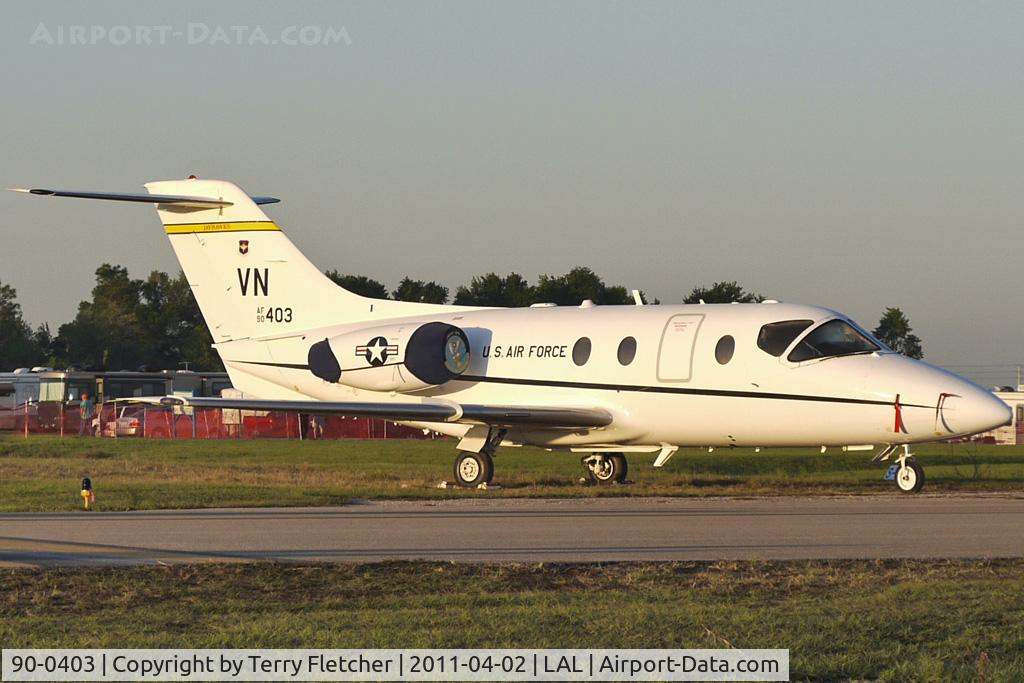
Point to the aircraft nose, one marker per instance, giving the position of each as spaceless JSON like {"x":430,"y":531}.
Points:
{"x":961,"y":407}
{"x":983,"y":411}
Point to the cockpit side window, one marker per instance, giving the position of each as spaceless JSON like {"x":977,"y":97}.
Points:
{"x":833,"y":338}
{"x":775,"y":338}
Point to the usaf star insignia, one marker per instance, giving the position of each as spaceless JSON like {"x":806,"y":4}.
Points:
{"x":377,"y":351}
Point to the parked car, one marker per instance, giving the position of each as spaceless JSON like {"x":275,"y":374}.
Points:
{"x":128,"y":419}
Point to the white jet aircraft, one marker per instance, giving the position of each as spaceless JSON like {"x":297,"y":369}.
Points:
{"x":602,"y":380}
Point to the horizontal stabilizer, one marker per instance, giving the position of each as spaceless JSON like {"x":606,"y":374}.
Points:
{"x":499,"y":416}
{"x":164,"y":199}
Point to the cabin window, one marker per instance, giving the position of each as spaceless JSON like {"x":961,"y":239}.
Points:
{"x":627,"y":350}
{"x":581,"y":351}
{"x":834,"y":338}
{"x":775,"y":338}
{"x":724,"y":349}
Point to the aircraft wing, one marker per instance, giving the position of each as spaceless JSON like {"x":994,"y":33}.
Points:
{"x":435,"y":411}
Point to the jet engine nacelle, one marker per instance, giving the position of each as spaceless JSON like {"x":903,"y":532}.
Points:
{"x":399,"y":358}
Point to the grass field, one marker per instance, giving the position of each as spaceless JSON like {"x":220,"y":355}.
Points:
{"x":849,"y":620}
{"x":938,"y":620}
{"x":43,"y":473}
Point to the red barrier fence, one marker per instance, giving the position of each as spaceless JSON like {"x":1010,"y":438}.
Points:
{"x":125,"y":420}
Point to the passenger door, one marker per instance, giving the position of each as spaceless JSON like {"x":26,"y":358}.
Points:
{"x":675,"y":352}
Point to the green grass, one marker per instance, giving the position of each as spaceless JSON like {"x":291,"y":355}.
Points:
{"x":913,"y":620}
{"x":43,"y":473}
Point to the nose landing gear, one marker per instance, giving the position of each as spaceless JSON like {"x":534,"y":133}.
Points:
{"x":906,"y":471}
{"x":910,"y":477}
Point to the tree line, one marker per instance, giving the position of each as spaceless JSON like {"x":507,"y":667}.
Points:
{"x":155,"y":323}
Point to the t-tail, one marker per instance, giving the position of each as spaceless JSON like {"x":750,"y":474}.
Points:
{"x":248,"y":278}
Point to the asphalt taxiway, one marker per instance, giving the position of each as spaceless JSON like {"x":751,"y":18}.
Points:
{"x":585,"y":530}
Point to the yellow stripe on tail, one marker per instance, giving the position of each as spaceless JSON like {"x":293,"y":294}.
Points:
{"x":236,"y":226}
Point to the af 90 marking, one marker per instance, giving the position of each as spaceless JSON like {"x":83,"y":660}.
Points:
{"x":273,"y":315}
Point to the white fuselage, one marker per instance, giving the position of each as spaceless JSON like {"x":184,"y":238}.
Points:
{"x":674,"y":391}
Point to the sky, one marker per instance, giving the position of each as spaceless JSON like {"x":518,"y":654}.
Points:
{"x":855,"y":155}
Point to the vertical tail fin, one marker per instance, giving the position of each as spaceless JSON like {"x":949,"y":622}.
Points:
{"x":247,"y":276}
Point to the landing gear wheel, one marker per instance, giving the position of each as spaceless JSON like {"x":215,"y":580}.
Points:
{"x":606,"y":468}
{"x":473,"y":469}
{"x":910,"y":477}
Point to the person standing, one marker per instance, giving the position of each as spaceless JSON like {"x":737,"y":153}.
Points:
{"x":317,"y":423}
{"x":85,"y":410}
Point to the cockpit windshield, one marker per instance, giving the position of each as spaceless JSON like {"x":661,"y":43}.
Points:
{"x":775,"y":338}
{"x":833,"y":338}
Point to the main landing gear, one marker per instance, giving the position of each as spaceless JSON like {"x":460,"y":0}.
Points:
{"x":605,"y":468}
{"x":475,"y":469}
{"x":906,"y":471}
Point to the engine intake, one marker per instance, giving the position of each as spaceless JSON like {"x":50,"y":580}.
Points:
{"x":437,"y":353}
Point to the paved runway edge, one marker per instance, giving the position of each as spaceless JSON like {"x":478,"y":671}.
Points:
{"x":529,"y":530}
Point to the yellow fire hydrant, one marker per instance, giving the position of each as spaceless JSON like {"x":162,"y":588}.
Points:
{"x":87,"y":495}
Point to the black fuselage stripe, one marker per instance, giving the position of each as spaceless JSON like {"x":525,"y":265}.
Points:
{"x":681,"y":390}
{"x":301,"y":366}
{"x":290,"y":366}
{"x":639,"y":388}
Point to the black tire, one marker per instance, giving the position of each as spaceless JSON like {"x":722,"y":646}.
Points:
{"x":473,"y":469}
{"x":609,"y":468}
{"x":911,"y":480}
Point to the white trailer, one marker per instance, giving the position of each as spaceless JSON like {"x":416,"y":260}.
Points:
{"x":1012,"y":433}
{"x":16,"y":389}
